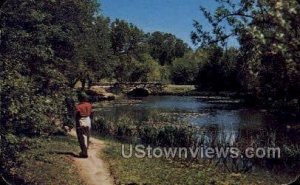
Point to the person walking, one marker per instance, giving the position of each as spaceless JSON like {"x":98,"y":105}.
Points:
{"x":83,"y":123}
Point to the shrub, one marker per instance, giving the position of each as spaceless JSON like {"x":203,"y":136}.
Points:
{"x":102,"y":127}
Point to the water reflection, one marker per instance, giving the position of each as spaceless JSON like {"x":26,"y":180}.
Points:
{"x":235,"y":121}
{"x":217,"y":122}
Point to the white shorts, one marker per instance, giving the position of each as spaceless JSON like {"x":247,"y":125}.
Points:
{"x":85,"y":122}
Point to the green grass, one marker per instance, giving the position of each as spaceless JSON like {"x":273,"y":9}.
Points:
{"x":179,"y":88}
{"x":163,"y":171}
{"x":50,"y":162}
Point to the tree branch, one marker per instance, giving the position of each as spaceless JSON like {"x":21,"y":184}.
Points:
{"x":234,"y":15}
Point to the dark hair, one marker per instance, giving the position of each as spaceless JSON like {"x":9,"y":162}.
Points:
{"x":82,"y":97}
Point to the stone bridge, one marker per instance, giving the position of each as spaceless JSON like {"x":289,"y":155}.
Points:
{"x":142,"y":88}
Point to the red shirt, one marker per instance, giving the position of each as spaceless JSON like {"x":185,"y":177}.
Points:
{"x":84,"y":109}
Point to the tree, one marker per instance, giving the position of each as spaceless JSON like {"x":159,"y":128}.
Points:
{"x":131,"y":48}
{"x":210,"y":75}
{"x":218,"y":69}
{"x":95,"y":54}
{"x":129,"y":44}
{"x":231,"y":66}
{"x":126,"y":38}
{"x":184,"y":70}
{"x":165,"y":47}
{"x":39,"y":45}
{"x":268,"y":32}
{"x":152,"y":69}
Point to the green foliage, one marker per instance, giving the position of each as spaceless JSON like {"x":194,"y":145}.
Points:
{"x":40,"y":44}
{"x":94,"y":54}
{"x":123,"y":128}
{"x":130,"y":47}
{"x":166,"y":47}
{"x":152,"y":68}
{"x":184,"y":70}
{"x":34,"y":75}
{"x":165,"y":74}
{"x":267,"y":31}
{"x":137,"y":53}
{"x":102,"y":126}
{"x":126,"y":38}
{"x":128,"y":69}
{"x":218,"y":70}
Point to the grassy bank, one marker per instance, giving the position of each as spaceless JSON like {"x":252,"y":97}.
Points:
{"x":164,"y":131}
{"x":47,"y":162}
{"x":190,"y":90}
{"x":181,"y":90}
{"x":163,"y":171}
{"x":178,"y":89}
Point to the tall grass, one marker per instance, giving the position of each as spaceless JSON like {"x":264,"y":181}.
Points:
{"x":166,"y":131}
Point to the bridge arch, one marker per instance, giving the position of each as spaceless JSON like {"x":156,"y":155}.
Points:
{"x":139,"y":92}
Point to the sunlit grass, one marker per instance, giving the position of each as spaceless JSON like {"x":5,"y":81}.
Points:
{"x":50,"y":162}
{"x":179,"y":88}
{"x":163,"y":171}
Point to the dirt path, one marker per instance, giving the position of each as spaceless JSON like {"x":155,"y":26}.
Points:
{"x":93,"y":170}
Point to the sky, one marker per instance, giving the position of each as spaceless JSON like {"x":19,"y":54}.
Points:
{"x":172,"y":16}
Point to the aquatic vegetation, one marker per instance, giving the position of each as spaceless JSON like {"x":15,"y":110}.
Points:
{"x":163,"y":130}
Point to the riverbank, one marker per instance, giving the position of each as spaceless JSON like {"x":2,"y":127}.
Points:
{"x":168,"y":89}
{"x":190,"y":90}
{"x":163,"y":171}
{"x":182,"y":121}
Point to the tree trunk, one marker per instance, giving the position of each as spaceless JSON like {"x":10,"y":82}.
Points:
{"x":90,"y":81}
{"x":73,"y":83}
{"x":83,"y":81}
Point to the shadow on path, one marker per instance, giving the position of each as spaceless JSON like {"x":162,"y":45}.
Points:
{"x":72,"y":154}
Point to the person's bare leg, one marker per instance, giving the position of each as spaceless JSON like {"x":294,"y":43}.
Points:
{"x":85,"y":133}
{"x":88,"y":135}
{"x":81,"y":139}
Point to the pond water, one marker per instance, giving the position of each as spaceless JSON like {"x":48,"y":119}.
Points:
{"x":221,"y":119}
{"x":221,"y":113}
